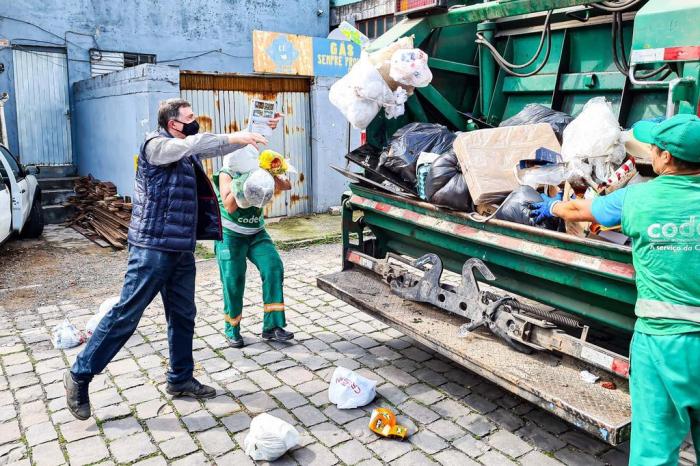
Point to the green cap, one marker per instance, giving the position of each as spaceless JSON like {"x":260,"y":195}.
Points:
{"x":680,"y":135}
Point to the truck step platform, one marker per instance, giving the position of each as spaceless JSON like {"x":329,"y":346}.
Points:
{"x":548,"y":380}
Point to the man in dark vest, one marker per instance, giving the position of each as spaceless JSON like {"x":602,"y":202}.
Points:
{"x":173,"y":206}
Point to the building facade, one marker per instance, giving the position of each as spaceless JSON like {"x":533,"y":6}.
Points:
{"x":372,"y":17}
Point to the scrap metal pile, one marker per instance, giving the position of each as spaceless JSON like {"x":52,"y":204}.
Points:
{"x":101,"y":215}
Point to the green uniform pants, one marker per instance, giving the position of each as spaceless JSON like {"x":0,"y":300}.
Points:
{"x":231,"y":254}
{"x":665,"y":389}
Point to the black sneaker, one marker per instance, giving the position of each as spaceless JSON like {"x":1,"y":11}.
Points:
{"x":77,"y":396}
{"x":191,"y":388}
{"x":277,"y":334}
{"x":235,"y":342}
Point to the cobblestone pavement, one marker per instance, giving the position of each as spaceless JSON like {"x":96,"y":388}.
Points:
{"x":455,"y":417}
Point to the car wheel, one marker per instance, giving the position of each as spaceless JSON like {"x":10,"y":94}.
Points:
{"x":35,"y":223}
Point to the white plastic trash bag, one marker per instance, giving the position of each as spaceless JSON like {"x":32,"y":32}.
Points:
{"x":259,"y":187}
{"x":350,"y":390}
{"x":105,"y":307}
{"x":594,"y":138}
{"x":269,"y":438}
{"x":410,"y":67}
{"x":65,"y":335}
{"x":243,"y":160}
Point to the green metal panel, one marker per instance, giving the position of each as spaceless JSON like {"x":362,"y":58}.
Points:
{"x":667,"y":23}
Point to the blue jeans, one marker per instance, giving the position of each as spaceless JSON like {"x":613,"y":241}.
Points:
{"x":148,"y":273}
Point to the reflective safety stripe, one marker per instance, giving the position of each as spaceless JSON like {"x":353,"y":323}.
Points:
{"x":235,"y":321}
{"x":233,"y":226}
{"x":660,"y":309}
{"x":274,"y":307}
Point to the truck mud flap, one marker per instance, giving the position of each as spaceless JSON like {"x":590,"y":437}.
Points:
{"x":549,"y":381}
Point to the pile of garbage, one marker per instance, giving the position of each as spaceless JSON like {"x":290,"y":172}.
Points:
{"x":381,"y":79}
{"x":499,"y":172}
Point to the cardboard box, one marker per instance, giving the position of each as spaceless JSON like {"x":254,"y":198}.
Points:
{"x":488,"y":157}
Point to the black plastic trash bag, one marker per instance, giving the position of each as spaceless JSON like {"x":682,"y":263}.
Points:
{"x":516,"y":208}
{"x":408,"y":142}
{"x":445,"y":184}
{"x":538,"y":113}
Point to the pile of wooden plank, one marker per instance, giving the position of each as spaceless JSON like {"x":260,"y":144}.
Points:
{"x":100,"y":214}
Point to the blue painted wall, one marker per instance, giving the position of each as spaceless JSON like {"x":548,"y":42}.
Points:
{"x":215,"y":33}
{"x":113,"y":112}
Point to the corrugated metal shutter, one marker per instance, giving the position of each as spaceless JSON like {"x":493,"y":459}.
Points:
{"x":105,"y":62}
{"x":222,"y":103}
{"x":43,"y":115}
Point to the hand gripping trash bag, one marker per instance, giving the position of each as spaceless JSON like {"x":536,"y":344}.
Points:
{"x":259,"y":187}
{"x":445,"y":185}
{"x":269,"y":438}
{"x":538,"y":113}
{"x":407,"y":144}
{"x":243,"y":160}
{"x":104,"y":308}
{"x":516,"y":208}
{"x":350,"y":390}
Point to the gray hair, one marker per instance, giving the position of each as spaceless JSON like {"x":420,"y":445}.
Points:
{"x":169,"y":109}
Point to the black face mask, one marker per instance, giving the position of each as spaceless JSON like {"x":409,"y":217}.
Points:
{"x":189,"y":129}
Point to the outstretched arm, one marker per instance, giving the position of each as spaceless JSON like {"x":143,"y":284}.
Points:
{"x":164,"y":151}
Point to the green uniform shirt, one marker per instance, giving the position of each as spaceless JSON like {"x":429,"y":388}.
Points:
{"x":663,"y":219}
{"x":248,"y":221}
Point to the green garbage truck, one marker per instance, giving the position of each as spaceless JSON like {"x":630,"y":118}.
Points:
{"x":527,"y":308}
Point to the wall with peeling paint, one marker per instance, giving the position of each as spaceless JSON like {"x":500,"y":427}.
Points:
{"x":113,"y":112}
{"x":331,"y":138}
{"x":214,"y":34}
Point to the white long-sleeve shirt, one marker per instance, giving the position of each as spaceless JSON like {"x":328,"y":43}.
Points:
{"x":164,"y":151}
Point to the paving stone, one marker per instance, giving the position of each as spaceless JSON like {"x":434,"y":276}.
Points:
{"x":77,"y":430}
{"x":329,"y":434}
{"x":615,"y":457}
{"x":288,"y":397}
{"x":222,"y":405}
{"x":414,"y":458}
{"x":454,"y":458}
{"x":152,"y":408}
{"x":573,"y":457}
{"x":428,"y":441}
{"x":535,"y":458}
{"x":264,"y":379}
{"x":314,"y":455}
{"x":343,"y":416}
{"x":540,"y":438}
{"x":124,"y":366}
{"x":112,"y":412}
{"x":7,"y":412}
{"x":152,"y":461}
{"x":295,"y":375}
{"x":450,"y":409}
{"x":104,"y":398}
{"x":236,"y":422}
{"x":397,"y":376}
{"x":352,"y":452}
{"x":479,"y":403}
{"x":493,"y":458}
{"x":584,"y":442}
{"x":215,"y":442}
{"x":308,"y":415}
{"x":121,"y":428}
{"x":311,"y":387}
{"x":424,"y":394}
{"x":13,"y":453}
{"x":388,"y":450}
{"x":199,"y":421}
{"x":508,"y":443}
{"x":40,"y":433}
{"x":86,"y":451}
{"x":392,"y":393}
{"x":258,"y":402}
{"x":48,"y":454}
{"x":506,"y":419}
{"x":419,"y":412}
{"x":33,"y":413}
{"x":446,"y":429}
{"x":548,"y":421}
{"x":196,"y":459}
{"x":128,"y":449}
{"x":186,"y":405}
{"x":140,"y":394}
{"x":470,"y":446}
{"x":178,"y":446}
{"x":476,"y":424}
{"x":236,"y":457}
{"x":359,"y":431}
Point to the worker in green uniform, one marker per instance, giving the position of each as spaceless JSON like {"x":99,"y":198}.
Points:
{"x":663,"y":219}
{"x":244,"y":237}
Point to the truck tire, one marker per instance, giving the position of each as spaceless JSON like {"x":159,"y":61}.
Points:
{"x":35,"y":223}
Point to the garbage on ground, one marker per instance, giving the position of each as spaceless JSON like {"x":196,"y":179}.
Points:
{"x":445,"y":185}
{"x":104,"y":308}
{"x":349,"y":390}
{"x":588,"y":377}
{"x":383,"y":422}
{"x":593,"y":139}
{"x":516,"y":208}
{"x":538,"y":113}
{"x":65,"y":335}
{"x":608,"y":385}
{"x":407,"y":144}
{"x":487,"y":157}
{"x":410,"y":67}
{"x":269,"y":438}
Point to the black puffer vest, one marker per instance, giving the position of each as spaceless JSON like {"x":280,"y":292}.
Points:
{"x":174,"y":205}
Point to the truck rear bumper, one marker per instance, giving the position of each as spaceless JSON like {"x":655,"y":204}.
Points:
{"x":547,"y":380}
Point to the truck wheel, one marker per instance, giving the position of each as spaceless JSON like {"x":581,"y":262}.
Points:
{"x":35,"y":223}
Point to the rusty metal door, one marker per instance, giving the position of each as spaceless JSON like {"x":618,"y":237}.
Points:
{"x":222,"y":103}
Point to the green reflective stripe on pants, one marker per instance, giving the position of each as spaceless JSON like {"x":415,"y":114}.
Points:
{"x":664,"y":383}
{"x":231,"y":255}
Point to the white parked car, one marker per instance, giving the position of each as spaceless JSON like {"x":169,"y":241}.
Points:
{"x":20,"y":199}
